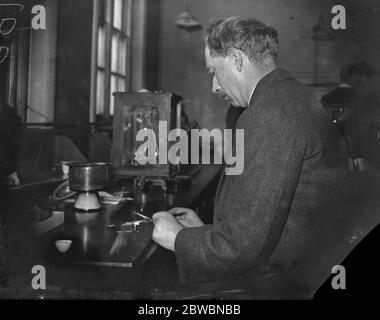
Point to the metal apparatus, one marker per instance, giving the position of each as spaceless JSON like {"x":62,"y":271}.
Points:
{"x":134,"y":113}
{"x":87,"y":179}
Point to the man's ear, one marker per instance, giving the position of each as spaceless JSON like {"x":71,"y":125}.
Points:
{"x":237,"y":58}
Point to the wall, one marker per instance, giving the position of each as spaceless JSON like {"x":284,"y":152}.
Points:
{"x":145,"y":44}
{"x":152,"y":44}
{"x":181,"y":61}
{"x":42,"y":59}
{"x":73,"y":76}
{"x":365,"y":36}
{"x":74,"y":61}
{"x":138,"y":45}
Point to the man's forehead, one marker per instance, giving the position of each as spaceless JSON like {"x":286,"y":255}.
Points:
{"x":207,"y":51}
{"x":207,"y":56}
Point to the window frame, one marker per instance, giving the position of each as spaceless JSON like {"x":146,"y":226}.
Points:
{"x":104,"y":17}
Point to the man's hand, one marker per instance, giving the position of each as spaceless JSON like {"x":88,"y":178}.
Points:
{"x":166,"y":228}
{"x":189,"y":219}
{"x":13,"y":180}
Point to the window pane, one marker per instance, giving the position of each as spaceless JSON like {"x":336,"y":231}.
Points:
{"x":114,"y":52}
{"x":113,"y":89}
{"x":121,"y":84}
{"x":101,"y":47}
{"x":100,"y":92}
{"x":118,"y":14}
{"x":122,"y":55}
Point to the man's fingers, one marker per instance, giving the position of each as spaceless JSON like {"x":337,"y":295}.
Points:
{"x":162,"y":217}
{"x":183,"y":217}
{"x":178,"y":210}
{"x":184,"y":212}
{"x":173,"y":210}
{"x":160,"y":214}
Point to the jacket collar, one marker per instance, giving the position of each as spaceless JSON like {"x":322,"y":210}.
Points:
{"x":268,"y":80}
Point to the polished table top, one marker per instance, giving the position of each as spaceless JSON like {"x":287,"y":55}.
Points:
{"x":104,"y":255}
{"x":113,"y":236}
{"x":139,"y":269}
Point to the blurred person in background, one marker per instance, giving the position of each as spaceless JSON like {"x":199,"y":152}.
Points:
{"x":353,"y":111}
{"x":9,"y":137}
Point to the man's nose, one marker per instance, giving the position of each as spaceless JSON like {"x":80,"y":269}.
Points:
{"x":215,"y":85}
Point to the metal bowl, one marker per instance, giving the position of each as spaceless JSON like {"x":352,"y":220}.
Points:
{"x":87,"y":176}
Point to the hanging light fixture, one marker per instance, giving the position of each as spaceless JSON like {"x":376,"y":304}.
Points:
{"x":323,"y":46}
{"x":186,"y":20}
{"x":320,"y":32}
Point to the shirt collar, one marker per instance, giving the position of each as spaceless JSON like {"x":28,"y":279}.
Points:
{"x":253,"y":90}
{"x":344,"y":85}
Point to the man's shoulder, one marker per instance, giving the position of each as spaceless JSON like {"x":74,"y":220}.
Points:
{"x":268,"y":112}
{"x":283,"y":89}
{"x":288,"y":105}
{"x":287,"y":97}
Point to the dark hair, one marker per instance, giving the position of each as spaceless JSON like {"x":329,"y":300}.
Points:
{"x":249,"y":35}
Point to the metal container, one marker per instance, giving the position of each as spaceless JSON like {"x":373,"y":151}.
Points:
{"x":87,"y":176}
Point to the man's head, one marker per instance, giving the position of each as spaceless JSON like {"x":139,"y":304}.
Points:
{"x":355,"y":74}
{"x":239,"y":52}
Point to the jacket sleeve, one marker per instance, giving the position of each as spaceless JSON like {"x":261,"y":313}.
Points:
{"x":258,"y":204}
{"x":9,"y":139}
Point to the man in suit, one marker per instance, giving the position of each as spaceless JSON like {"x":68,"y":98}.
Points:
{"x":348,"y":106}
{"x":272,"y":223}
{"x":9,"y":121}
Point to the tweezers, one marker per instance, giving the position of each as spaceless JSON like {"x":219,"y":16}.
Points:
{"x":151,"y":220}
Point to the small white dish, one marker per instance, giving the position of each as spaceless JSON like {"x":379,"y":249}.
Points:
{"x":63,"y":245}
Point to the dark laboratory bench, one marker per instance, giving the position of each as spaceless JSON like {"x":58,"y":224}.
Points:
{"x":137,"y":267}
{"x":153,"y":273}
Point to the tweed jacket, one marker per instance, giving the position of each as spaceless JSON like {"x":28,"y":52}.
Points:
{"x":280,"y":212}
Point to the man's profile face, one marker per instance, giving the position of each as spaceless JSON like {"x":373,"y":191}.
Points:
{"x":224,"y":78}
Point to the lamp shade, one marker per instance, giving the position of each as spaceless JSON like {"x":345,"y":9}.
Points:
{"x":187,"y":21}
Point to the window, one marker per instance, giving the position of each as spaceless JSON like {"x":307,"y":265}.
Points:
{"x":113,"y":36}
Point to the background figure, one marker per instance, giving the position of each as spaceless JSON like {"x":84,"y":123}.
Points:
{"x":353,"y":111}
{"x":9,"y":137}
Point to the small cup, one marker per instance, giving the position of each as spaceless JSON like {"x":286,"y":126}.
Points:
{"x":63,"y":245}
